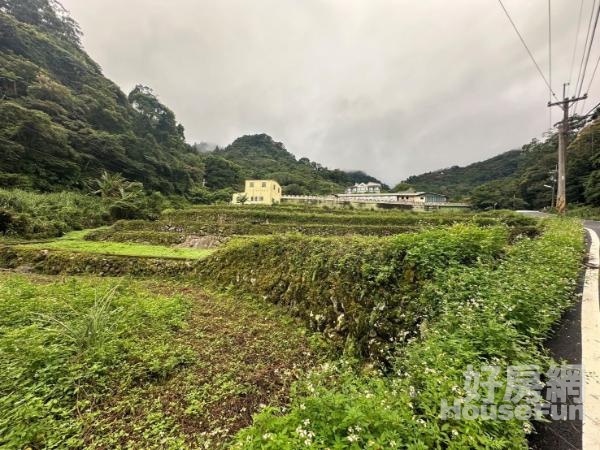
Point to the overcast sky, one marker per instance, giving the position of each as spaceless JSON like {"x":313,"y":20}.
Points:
{"x":392,"y":87}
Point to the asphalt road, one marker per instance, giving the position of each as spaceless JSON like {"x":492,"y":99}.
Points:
{"x":564,"y":346}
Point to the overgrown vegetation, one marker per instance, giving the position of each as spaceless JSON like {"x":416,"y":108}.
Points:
{"x":362,"y":293}
{"x":64,"y":262}
{"x":67,"y":346}
{"x":489,"y":314}
{"x":120,"y":249}
{"x":402,"y":316}
{"x":400,"y":302}
{"x":27,"y":214}
{"x":584,"y":212}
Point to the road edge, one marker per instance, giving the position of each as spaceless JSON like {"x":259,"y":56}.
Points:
{"x":590,"y":346}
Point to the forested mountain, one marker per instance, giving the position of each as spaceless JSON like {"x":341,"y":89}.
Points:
{"x":458,"y":182}
{"x":259,"y":156}
{"x":63,"y":123}
{"x":519,"y":178}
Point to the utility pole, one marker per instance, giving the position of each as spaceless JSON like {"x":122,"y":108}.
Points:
{"x":563,"y":137}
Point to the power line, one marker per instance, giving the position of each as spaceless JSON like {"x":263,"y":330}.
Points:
{"x":592,"y":110}
{"x":527,"y":48}
{"x":593,"y":74}
{"x":576,"y":42}
{"x":587,"y":38}
{"x":589,"y":42}
{"x":591,"y":79}
{"x":587,"y":59}
{"x":550,"y":61}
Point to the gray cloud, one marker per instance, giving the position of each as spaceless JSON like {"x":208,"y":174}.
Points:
{"x":394,"y":87}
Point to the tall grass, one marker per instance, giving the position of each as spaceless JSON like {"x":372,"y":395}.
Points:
{"x":86,"y":328}
{"x":30,"y":214}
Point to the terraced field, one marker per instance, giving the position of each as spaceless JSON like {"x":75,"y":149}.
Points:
{"x":174,"y":226}
{"x":274,"y":328}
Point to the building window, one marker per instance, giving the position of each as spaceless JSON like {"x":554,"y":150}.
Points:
{"x":260,"y":198}
{"x":251,"y":184}
{"x":264,"y":184}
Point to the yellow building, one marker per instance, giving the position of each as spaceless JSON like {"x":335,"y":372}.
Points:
{"x":260,"y":192}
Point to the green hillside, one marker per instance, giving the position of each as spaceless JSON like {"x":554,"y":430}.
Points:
{"x":259,"y":156}
{"x":458,"y":182}
{"x":519,"y":178}
{"x":62,"y":121}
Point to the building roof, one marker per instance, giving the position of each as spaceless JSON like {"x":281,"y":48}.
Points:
{"x":273,"y":181}
{"x":370,"y":183}
{"x":394,"y":194}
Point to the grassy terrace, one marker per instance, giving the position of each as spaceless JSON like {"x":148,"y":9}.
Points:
{"x":224,"y":221}
{"x":74,"y":242}
{"x":494,"y":312}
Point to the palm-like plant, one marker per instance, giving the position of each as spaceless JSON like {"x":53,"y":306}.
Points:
{"x":111,"y":185}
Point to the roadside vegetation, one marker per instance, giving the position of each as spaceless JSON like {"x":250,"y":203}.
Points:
{"x":584,"y":212}
{"x":490,"y":314}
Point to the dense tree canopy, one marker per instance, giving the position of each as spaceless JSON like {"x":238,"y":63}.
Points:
{"x":458,"y":182}
{"x":63,"y":123}
{"x":49,"y":15}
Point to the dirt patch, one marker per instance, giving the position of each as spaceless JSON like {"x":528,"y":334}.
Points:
{"x":245,"y":355}
{"x":202,"y":242}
